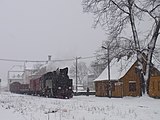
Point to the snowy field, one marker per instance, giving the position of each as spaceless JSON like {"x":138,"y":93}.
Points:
{"x":24,"y":107}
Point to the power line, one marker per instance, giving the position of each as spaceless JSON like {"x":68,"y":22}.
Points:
{"x":62,"y":60}
{"x":13,"y":60}
{"x":89,"y":57}
{"x":58,"y":60}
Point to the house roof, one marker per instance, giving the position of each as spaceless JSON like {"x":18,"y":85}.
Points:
{"x":117,"y":69}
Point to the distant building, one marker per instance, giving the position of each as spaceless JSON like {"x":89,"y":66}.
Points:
{"x":16,"y":74}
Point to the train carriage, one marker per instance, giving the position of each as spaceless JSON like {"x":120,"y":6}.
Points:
{"x":15,"y":87}
{"x":24,"y":88}
{"x":35,"y":86}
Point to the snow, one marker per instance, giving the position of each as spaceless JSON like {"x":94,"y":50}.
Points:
{"x":54,"y":65}
{"x":117,"y":69}
{"x":25,"y":107}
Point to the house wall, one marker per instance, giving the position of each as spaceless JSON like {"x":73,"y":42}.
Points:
{"x":101,"y":88}
{"x":118,"y":90}
{"x":129,"y":79}
{"x":154,"y":86}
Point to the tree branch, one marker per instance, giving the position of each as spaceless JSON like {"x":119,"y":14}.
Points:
{"x":119,"y":7}
{"x":154,"y":8}
{"x":149,"y":12}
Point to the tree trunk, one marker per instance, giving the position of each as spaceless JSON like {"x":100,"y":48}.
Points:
{"x":151,"y":47}
{"x":137,"y":45}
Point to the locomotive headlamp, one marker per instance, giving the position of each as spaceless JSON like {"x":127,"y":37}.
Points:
{"x":70,"y":87}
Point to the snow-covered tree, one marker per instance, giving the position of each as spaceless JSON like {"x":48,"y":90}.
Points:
{"x":82,"y":71}
{"x":129,"y":20}
{"x":117,"y":49}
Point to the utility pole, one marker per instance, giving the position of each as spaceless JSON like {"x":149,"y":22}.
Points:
{"x":109,"y":73}
{"x":77,"y":74}
{"x":24,"y":74}
{"x":108,"y":61}
{"x":8,"y":86}
{"x":0,"y":85}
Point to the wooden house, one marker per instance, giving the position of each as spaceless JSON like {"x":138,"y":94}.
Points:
{"x":125,"y":80}
{"x":120,"y":75}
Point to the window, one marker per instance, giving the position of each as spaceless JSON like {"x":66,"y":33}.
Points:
{"x":49,"y":83}
{"x":132,"y":86}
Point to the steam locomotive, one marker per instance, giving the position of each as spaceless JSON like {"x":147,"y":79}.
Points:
{"x":54,"y":84}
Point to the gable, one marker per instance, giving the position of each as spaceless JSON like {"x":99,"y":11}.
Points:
{"x":117,"y":69}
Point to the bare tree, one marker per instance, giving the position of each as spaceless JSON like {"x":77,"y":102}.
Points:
{"x":97,"y":67}
{"x":82,"y":71}
{"x":117,"y":49}
{"x":134,"y":20}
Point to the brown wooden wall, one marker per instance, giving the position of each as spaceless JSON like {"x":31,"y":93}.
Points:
{"x":118,"y":91}
{"x":154,"y":86}
{"x":131,"y":77}
{"x":101,"y":88}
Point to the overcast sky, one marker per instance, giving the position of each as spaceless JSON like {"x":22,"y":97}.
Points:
{"x":34,"y":29}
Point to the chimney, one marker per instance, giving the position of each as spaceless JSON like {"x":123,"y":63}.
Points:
{"x":49,"y":57}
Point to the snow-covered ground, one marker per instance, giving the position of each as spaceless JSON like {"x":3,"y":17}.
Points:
{"x":24,"y":107}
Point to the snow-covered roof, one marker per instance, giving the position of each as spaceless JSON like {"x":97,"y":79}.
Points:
{"x":156,"y":63}
{"x":117,"y":69}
